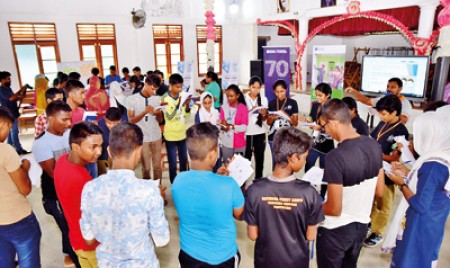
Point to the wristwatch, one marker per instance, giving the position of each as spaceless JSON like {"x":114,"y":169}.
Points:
{"x":402,"y":185}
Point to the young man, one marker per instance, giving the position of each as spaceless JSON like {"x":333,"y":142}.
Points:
{"x":394,"y":87}
{"x":142,"y":112}
{"x":8,"y":99}
{"x":206,"y":204}
{"x":40,"y":124}
{"x":70,"y":177}
{"x":163,"y":89}
{"x":113,"y":76}
{"x":389,"y":108}
{"x":358,"y":124}
{"x":123,"y":213}
{"x":354,"y":174}
{"x":19,"y":229}
{"x":175,"y":127}
{"x":47,"y":148}
{"x":113,"y":117}
{"x":137,"y":72}
{"x":294,"y":206}
{"x":75,"y":98}
{"x":126,"y":74}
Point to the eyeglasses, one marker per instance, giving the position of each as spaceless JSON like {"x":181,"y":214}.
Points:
{"x":323,"y":126}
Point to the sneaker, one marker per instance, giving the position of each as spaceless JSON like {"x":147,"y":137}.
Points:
{"x":369,"y":230}
{"x":373,"y":240}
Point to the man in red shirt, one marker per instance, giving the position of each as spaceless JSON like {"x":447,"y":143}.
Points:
{"x":70,"y":177}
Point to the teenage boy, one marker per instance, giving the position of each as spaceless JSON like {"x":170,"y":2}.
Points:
{"x":358,"y":124}
{"x":123,"y":213}
{"x":47,"y":148}
{"x":113,"y":76}
{"x":163,"y":89}
{"x":137,"y":72}
{"x":389,"y":108}
{"x":40,"y":124}
{"x":70,"y":177}
{"x":394,"y":87}
{"x":283,"y":104}
{"x":175,"y":127}
{"x":294,"y":206}
{"x":75,"y":95}
{"x":126,"y":74}
{"x":351,"y":188}
{"x":9,"y":99}
{"x":142,"y":112}
{"x":206,"y":204}
{"x":19,"y":229}
{"x":113,"y":117}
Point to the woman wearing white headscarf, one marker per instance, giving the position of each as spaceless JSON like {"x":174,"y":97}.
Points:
{"x":207,"y":112}
{"x":426,"y":191}
{"x":118,"y":99}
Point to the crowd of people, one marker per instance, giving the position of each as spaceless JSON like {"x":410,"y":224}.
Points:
{"x":109,"y":217}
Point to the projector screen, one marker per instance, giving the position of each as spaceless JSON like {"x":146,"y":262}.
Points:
{"x":412,"y":70}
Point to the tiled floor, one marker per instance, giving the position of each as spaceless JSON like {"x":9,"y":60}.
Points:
{"x":51,"y":237}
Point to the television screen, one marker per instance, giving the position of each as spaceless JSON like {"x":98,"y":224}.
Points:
{"x":412,"y":70}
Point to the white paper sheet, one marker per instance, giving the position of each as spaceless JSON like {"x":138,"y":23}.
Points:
{"x":387,"y":167}
{"x":281,"y":114}
{"x":240,"y":169}
{"x":407,"y":157}
{"x":35,"y":171}
{"x":306,"y":124}
{"x":314,"y":176}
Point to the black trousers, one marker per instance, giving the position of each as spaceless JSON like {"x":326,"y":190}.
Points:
{"x":340,"y":247}
{"x":256,"y":144}
{"x":186,"y":261}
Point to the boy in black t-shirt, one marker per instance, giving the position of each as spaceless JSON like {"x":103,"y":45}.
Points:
{"x":358,"y":124}
{"x":284,"y":104}
{"x":389,"y":108}
{"x":293,"y":206}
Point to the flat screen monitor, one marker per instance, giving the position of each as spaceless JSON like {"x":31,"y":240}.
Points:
{"x":412,"y":70}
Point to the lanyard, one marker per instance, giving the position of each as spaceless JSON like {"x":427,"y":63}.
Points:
{"x":382,"y":133}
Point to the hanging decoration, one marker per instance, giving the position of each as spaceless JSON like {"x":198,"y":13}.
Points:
{"x":210,"y":32}
{"x":422,"y":46}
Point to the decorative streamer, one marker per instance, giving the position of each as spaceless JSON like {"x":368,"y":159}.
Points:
{"x":210,"y":32}
{"x":422,"y":46}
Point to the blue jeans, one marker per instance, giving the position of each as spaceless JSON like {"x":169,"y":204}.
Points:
{"x":13,"y":137}
{"x":53,"y":208}
{"x":23,"y":238}
{"x":172,"y":147}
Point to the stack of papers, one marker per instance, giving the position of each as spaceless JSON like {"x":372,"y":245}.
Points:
{"x":281,"y":114}
{"x":314,"y":176}
{"x":240,"y":169}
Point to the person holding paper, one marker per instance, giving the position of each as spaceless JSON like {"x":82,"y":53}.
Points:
{"x":142,"y":112}
{"x":74,"y":92}
{"x":281,"y":211}
{"x":207,"y":204}
{"x":19,"y":229}
{"x":175,"y":129}
{"x":426,"y":191}
{"x":323,"y":143}
{"x":234,"y":121}
{"x":389,"y":108}
{"x":256,"y":131}
{"x":213,"y":87}
{"x":97,"y":99}
{"x":282,"y":104}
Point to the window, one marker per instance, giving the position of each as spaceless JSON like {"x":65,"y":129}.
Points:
{"x":98,"y":42}
{"x":168,"y":40}
{"x":202,"y":56}
{"x":35,"y":50}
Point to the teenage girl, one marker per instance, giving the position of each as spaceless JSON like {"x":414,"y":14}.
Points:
{"x":234,"y":121}
{"x":256,"y":130}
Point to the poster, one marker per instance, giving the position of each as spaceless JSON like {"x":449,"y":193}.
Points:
{"x":276,"y":67}
{"x":230,"y":71}
{"x":185,"y":69}
{"x":328,"y":66}
{"x":82,"y":67}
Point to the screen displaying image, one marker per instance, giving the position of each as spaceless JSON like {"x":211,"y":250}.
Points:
{"x":412,"y":70}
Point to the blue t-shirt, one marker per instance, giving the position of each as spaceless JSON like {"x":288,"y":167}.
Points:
{"x":109,"y":79}
{"x":205,"y":203}
{"x":105,"y":135}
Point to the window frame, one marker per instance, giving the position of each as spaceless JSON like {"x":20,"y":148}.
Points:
{"x":219,"y":40}
{"x":167,"y":41}
{"x":37,"y":43}
{"x":97,"y":43}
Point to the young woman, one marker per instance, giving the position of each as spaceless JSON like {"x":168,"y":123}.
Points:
{"x":256,"y":130}
{"x":214,"y":88}
{"x":234,"y":121}
{"x":96,"y":98}
{"x":426,"y":191}
{"x":206,"y":112}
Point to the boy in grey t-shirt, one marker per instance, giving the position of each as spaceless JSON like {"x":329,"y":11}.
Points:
{"x":142,"y":112}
